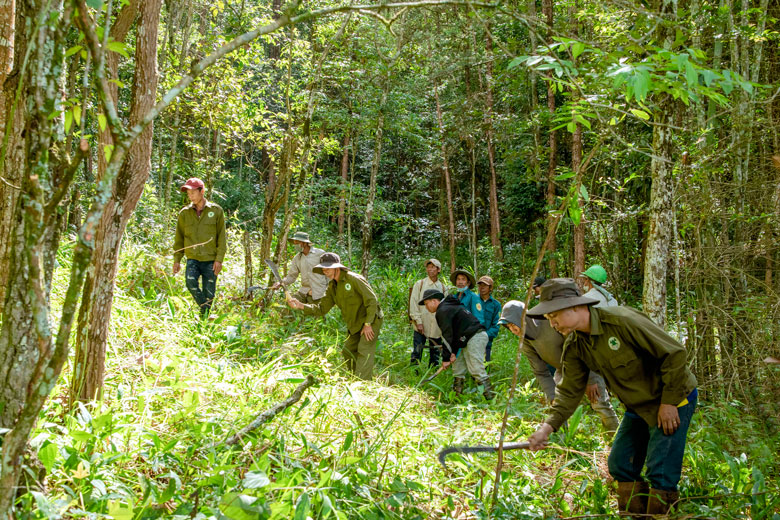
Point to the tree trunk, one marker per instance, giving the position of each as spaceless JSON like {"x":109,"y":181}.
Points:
{"x":547,"y":9}
{"x":95,"y":311}
{"x":367,"y":220}
{"x":343,"y":188}
{"x":13,"y":153}
{"x":495,"y":216}
{"x":660,"y":216}
{"x":576,"y":166}
{"x":447,"y":181}
{"x":579,"y":229}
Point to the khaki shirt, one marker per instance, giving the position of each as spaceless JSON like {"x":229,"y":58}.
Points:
{"x":356,"y":299}
{"x":604,"y":297}
{"x":642,"y":365}
{"x":311,"y":283}
{"x":200,"y":238}
{"x":419,"y":313}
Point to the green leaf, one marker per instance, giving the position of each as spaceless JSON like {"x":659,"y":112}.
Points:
{"x":107,"y":151}
{"x":577,"y":49}
{"x":641,"y":114}
{"x":77,"y":114}
{"x":641,"y":84}
{"x":119,"y":510}
{"x":347,"y":442}
{"x":691,"y":76}
{"x":73,"y":50}
{"x":68,"y":121}
{"x":95,"y":4}
{"x":584,"y":193}
{"x":517,"y":61}
{"x":48,"y":455}
{"x":118,"y":47}
{"x":243,"y":507}
{"x":255,"y":480}
{"x":102,"y":122}
{"x":302,"y":509}
{"x":327,"y":507}
{"x":564,"y":176}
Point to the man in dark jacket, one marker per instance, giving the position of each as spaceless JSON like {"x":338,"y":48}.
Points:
{"x":646,"y":369}
{"x":464,"y":339}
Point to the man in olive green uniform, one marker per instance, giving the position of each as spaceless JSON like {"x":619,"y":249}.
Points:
{"x":543,"y":346}
{"x":360,"y":309}
{"x":307,"y":256}
{"x":200,"y":235}
{"x":646,"y":369}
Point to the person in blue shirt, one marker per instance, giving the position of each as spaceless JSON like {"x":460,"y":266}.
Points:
{"x":490,"y":308}
{"x":464,"y":283}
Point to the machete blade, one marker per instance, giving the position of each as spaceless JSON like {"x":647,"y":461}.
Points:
{"x":478,"y":449}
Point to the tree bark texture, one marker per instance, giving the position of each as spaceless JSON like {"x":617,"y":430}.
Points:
{"x":12,"y":43}
{"x":95,"y":312}
{"x":579,"y":229}
{"x":447,"y":179}
{"x":495,"y":216}
{"x":547,"y":10}
{"x":368,"y":219}
{"x":660,"y":216}
{"x":343,"y":189}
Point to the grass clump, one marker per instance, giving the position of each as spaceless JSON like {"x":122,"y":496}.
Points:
{"x":175,"y":386}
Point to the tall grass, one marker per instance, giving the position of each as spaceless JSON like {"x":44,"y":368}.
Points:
{"x":349,"y":449}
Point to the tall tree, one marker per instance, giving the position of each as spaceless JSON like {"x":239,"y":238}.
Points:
{"x":97,"y":299}
{"x":495,"y":216}
{"x":547,"y":11}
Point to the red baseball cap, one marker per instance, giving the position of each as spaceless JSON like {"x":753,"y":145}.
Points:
{"x":192,"y":184}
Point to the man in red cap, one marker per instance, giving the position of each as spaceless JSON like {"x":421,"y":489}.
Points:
{"x":200,"y":236}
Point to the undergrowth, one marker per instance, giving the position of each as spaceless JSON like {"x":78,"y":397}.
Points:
{"x":177,"y":387}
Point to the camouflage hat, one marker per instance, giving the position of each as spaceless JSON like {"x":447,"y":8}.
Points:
{"x":456,"y":272}
{"x":558,"y":294}
{"x":328,"y":261}
{"x":300,"y":236}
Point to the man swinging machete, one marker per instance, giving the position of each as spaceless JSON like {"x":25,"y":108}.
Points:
{"x":646,"y":369}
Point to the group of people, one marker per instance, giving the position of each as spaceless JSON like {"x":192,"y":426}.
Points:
{"x":577,"y":344}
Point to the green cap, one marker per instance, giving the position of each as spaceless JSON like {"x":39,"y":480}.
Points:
{"x":596,"y":273}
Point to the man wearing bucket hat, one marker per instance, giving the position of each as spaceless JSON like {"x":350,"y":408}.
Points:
{"x":594,"y":277}
{"x":360,"y":309}
{"x":425,"y":327}
{"x":543,"y":347}
{"x":646,"y":369}
{"x":464,"y":339}
{"x":491,"y":312}
{"x":200,"y":236}
{"x":307,"y":256}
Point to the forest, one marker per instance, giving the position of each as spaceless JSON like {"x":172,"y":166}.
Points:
{"x":510,"y":139}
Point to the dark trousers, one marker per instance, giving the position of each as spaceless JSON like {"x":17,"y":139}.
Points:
{"x":434,"y":348}
{"x":203,"y":295}
{"x":638,"y":444}
{"x":488,"y":348}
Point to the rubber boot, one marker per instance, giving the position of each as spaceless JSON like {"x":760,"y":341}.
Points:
{"x":457,"y":384}
{"x":632,"y":498}
{"x":488,"y":389}
{"x":659,"y":502}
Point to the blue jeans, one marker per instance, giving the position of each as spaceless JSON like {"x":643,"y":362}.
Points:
{"x":203,"y":296}
{"x":637,"y":444}
{"x":419,"y":345}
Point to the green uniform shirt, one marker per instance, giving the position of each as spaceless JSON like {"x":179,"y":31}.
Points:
{"x":200,"y":238}
{"x":356,"y":299}
{"x":642,"y":365}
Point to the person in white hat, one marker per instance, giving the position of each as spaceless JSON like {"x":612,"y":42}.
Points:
{"x":426,"y":330}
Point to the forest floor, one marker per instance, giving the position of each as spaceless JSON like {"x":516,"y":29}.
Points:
{"x":176,"y":386}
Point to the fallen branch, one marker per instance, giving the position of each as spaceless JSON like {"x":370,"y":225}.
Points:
{"x":268,"y":414}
